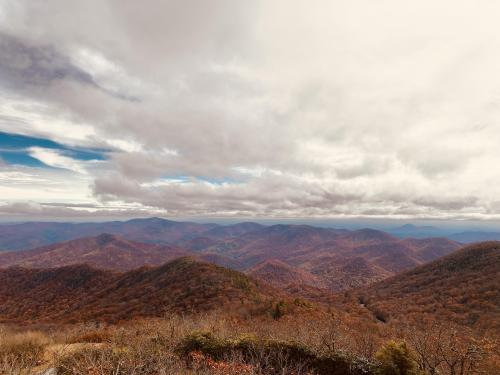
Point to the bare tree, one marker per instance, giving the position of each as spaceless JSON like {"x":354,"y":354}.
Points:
{"x":442,"y":348}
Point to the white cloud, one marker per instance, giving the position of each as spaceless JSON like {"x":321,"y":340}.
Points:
{"x":56,"y":159}
{"x":111,"y":76}
{"x":18,"y":184}
{"x":22,"y":115}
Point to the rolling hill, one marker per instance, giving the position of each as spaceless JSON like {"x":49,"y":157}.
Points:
{"x":462,"y":287}
{"x":340,"y":259}
{"x":105,"y":251}
{"x":83,"y":293}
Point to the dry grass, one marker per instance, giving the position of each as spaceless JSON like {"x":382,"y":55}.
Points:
{"x":22,"y":350}
{"x":215,"y":344}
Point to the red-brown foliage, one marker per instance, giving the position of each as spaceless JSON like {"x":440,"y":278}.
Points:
{"x":78,"y":293}
{"x":462,"y":287}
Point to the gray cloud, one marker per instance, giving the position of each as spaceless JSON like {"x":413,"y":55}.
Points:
{"x":23,"y":65}
{"x":26,"y":66}
{"x":28,"y":210}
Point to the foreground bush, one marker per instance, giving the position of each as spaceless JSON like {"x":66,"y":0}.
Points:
{"x":396,"y":359}
{"x":212,"y":344}
{"x":273,"y":357}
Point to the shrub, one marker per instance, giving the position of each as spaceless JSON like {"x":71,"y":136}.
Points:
{"x":302,"y":303}
{"x":396,"y":359}
{"x":90,"y":337}
{"x":279,"y":310}
{"x":271,"y":356}
{"x":114,"y":360}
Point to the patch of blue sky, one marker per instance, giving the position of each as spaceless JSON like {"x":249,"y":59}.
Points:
{"x":15,"y":149}
{"x":177,"y":177}
{"x":210,"y":180}
{"x":218,"y":181}
{"x":21,"y":158}
{"x":85,"y":154}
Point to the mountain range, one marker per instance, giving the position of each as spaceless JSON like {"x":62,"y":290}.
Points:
{"x":30,"y":235}
{"x":247,"y":268}
{"x":22,"y":236}
{"x":105,"y":251}
{"x":333,"y":259}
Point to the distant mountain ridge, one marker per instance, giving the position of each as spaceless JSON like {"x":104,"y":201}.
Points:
{"x":190,"y":235}
{"x":105,"y":251}
{"x":151,"y":230}
{"x":475,"y":236}
{"x":468,"y":236}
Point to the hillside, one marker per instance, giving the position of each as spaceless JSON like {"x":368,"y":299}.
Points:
{"x":105,"y":251}
{"x":82,"y":293}
{"x":282,"y":275}
{"x":32,"y":294}
{"x":461,"y":287}
{"x":344,"y":273}
{"x":339,"y":259}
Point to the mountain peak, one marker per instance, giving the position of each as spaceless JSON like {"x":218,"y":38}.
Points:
{"x":105,"y":238}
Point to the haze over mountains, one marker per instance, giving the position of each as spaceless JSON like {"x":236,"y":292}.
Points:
{"x":335,"y":259}
{"x":464,"y":236}
{"x":209,"y":237}
{"x":153,"y":230}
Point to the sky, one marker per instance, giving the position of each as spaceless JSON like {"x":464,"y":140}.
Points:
{"x":379,"y":110}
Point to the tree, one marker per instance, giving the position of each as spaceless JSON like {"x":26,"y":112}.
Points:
{"x":396,"y":359}
{"x":446,"y":349}
{"x":279,"y":310}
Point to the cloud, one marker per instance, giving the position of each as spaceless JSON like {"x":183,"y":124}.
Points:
{"x":23,"y":65}
{"x":56,"y":159}
{"x":262,"y":108}
{"x":27,"y":210}
{"x":28,"y":151}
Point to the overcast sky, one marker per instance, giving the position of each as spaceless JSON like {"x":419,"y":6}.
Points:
{"x":266,"y":109}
